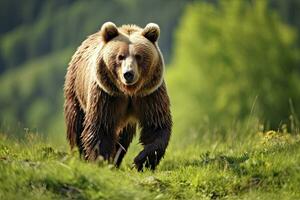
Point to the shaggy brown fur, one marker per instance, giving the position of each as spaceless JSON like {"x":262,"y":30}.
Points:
{"x":102,"y":112}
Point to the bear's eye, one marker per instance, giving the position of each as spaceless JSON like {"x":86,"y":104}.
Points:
{"x":121,"y":57}
{"x":138,"y":57}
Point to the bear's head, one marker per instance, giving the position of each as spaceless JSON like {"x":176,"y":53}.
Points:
{"x":129,"y":61}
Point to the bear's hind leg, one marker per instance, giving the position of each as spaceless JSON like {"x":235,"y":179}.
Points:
{"x":125,"y":138}
{"x":74,"y":120}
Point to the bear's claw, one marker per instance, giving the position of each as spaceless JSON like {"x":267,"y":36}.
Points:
{"x":148,"y":157}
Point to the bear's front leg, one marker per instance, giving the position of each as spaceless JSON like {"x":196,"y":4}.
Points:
{"x":156,"y":125}
{"x":98,"y":137}
{"x":155,"y":141}
{"x":98,"y":141}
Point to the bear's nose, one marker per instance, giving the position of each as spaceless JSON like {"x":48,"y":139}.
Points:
{"x":129,"y":75}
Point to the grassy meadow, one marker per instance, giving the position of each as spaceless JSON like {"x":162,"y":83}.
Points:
{"x":261,"y":166}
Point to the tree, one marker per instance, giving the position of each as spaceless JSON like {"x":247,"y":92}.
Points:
{"x":232,"y":60}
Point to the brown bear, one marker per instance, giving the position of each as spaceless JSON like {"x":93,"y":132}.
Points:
{"x":115,"y":82}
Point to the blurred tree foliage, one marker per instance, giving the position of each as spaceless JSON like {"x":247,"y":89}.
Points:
{"x":32,"y":95}
{"x":41,"y":28}
{"x":233,"y":61}
{"x":288,"y":10}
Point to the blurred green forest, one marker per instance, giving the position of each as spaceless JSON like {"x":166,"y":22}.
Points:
{"x":230,"y":63}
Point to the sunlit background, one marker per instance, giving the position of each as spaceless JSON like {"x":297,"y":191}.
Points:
{"x":233,"y":67}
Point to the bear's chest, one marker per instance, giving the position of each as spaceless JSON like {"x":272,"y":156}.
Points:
{"x":127,"y":114}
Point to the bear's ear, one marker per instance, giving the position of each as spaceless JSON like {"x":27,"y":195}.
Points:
{"x":108,"y":31}
{"x":151,"y":32}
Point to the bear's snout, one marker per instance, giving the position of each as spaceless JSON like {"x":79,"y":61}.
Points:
{"x":129,"y":73}
{"x":129,"y":76}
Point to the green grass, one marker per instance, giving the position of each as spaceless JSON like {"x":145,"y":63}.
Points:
{"x":263,"y":166}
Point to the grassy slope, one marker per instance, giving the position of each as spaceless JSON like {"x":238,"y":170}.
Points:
{"x":265,"y":167}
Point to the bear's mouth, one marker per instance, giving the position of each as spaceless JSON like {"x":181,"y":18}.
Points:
{"x":129,"y":84}
{"x":131,"y":88}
